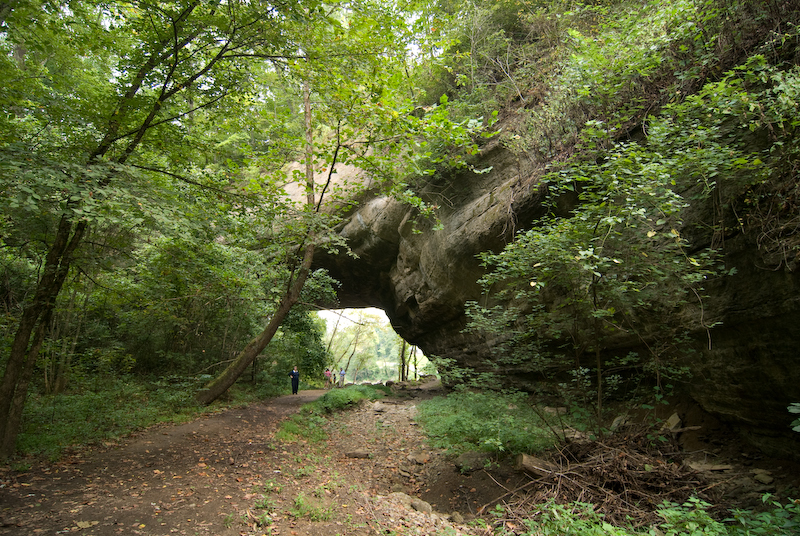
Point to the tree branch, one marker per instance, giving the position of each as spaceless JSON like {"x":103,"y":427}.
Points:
{"x":189,"y":181}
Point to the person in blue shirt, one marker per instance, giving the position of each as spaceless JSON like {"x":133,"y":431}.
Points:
{"x":295,"y":376}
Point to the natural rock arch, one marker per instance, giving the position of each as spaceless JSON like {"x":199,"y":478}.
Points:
{"x":422,"y":278}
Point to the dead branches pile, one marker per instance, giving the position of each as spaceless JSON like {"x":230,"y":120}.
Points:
{"x":626,"y":477}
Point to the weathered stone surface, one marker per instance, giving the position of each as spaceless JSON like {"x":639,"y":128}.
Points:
{"x":673,"y":423}
{"x":420,"y":458}
{"x":763,"y":478}
{"x":421,"y":506}
{"x":746,"y":368}
{"x":471,"y":461}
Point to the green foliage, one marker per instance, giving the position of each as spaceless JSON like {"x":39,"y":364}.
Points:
{"x":309,"y":422}
{"x":340,"y":399}
{"x":488,"y":421}
{"x":174,"y":153}
{"x":563,"y":65}
{"x":613,"y":272}
{"x":576,"y":519}
{"x":99,"y":408}
{"x":299,"y":342}
{"x":735,"y":142}
{"x":778,"y":519}
{"x":794,"y":407}
{"x":52,"y":423}
{"x":367,"y":347}
{"x":452,"y":373}
{"x":310,"y":508}
{"x":611,"y":266}
{"x":186,"y":304}
{"x":271,"y":486}
{"x":688,"y":519}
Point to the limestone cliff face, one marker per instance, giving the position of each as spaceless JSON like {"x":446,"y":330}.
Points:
{"x":748,"y":369}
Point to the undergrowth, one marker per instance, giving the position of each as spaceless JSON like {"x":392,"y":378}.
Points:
{"x":339,"y":399}
{"x":508,"y":423}
{"x":491,"y":422}
{"x":96,"y":410}
{"x":688,"y":519}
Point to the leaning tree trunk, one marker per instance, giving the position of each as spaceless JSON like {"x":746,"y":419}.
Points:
{"x":9,"y":439}
{"x":224,"y":381}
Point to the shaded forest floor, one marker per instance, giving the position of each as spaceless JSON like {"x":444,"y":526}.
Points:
{"x":227,"y":474}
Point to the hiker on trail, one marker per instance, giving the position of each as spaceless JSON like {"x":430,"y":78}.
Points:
{"x":327,"y":378}
{"x":341,"y":378}
{"x":295,"y":376}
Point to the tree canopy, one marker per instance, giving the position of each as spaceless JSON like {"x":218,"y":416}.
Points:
{"x":147,"y":153}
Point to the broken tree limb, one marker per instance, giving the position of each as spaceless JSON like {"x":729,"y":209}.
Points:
{"x":534,"y":465}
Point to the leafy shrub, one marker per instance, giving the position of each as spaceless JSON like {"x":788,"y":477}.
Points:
{"x":491,"y":422}
{"x":577,"y":519}
{"x":795,"y":408}
{"x":781,"y":519}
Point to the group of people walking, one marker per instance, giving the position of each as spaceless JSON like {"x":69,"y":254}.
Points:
{"x":330,"y":379}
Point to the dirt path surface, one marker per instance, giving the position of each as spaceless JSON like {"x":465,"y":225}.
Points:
{"x":229,"y":474}
{"x":169,"y":479}
{"x":226,"y":474}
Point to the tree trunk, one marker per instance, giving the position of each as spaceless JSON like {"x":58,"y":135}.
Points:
{"x":350,"y":357}
{"x":35,"y":317}
{"x":62,"y":368}
{"x":403,"y":362}
{"x":21,"y":393}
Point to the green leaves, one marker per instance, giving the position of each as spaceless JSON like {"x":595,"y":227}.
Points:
{"x":795,"y":408}
{"x":612,"y":273}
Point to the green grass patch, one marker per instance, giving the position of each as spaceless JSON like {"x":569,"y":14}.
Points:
{"x":310,"y":508}
{"x":339,"y":399}
{"x":305,"y":424}
{"x":487,"y":421}
{"x":309,"y":422}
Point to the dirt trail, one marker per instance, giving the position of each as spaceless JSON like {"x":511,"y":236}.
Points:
{"x":182,"y":478}
{"x":225,"y":474}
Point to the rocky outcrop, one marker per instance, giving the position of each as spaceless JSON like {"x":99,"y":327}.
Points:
{"x":422,"y":277}
{"x":746,"y":371}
